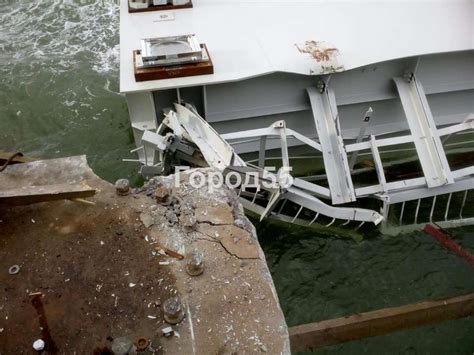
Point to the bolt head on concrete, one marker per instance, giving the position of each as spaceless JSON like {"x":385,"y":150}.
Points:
{"x":173,"y":310}
{"x":122,"y":186}
{"x":142,"y":343}
{"x":195,"y":264}
{"x":162,"y":194}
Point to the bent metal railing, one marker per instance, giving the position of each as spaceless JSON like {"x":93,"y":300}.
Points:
{"x":183,"y":132}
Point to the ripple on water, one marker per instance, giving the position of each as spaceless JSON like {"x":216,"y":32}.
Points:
{"x":60,"y":61}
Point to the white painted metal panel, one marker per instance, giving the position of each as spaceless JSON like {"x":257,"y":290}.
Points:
{"x":215,"y":150}
{"x":252,"y":38}
{"x":143,"y":117}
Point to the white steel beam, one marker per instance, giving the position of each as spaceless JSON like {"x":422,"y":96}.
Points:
{"x":334,"y":154}
{"x":424,"y":192}
{"x":141,"y":108}
{"x":362,"y":130}
{"x":378,"y":163}
{"x":312,"y":188}
{"x":425,"y":134}
{"x":215,"y":150}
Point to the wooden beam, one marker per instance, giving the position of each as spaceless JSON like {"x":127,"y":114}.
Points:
{"x":34,"y":194}
{"x":315,"y":335}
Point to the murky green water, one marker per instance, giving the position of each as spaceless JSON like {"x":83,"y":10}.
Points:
{"x":58,"y":97}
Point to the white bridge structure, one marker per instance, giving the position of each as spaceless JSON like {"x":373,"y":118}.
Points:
{"x":184,"y":136}
{"x":373,"y":115}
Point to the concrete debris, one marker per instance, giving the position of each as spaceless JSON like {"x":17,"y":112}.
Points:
{"x":171,"y":217}
{"x":147,"y":220}
{"x":167,"y":332}
{"x":39,"y":345}
{"x":219,"y":214}
{"x":122,"y":346}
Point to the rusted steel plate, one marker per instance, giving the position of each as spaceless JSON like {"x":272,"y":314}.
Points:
{"x":329,"y":332}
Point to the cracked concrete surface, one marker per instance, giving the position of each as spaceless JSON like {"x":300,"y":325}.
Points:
{"x":233,"y":306}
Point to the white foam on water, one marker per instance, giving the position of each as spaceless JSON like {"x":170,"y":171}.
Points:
{"x":61,"y":32}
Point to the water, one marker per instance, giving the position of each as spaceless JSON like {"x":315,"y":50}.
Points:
{"x":58,"y":97}
{"x":59,"y":82}
{"x":320,"y":277}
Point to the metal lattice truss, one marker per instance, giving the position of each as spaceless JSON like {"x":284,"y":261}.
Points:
{"x":184,"y":135}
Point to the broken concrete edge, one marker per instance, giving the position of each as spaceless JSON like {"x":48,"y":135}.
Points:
{"x":47,"y":180}
{"x":217,"y":218}
{"x":239,"y":209}
{"x":48,"y":171}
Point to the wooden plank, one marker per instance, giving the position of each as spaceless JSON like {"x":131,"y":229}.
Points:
{"x":329,"y":332}
{"x":189,"y":5}
{"x":34,"y":194}
{"x":176,"y":71}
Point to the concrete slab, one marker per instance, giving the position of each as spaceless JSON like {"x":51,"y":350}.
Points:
{"x":104,"y":276}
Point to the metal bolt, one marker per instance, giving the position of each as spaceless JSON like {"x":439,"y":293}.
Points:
{"x":321,"y":86}
{"x":15,"y":269}
{"x":39,"y":345}
{"x":162,"y":194}
{"x":142,"y":343}
{"x":195,"y":264}
{"x":408,"y":76}
{"x":173,"y":310}
{"x":122,"y":186}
